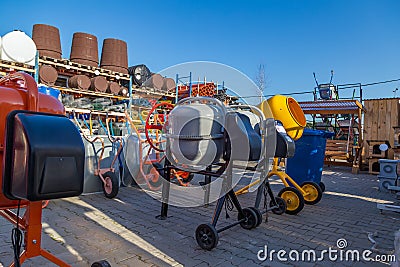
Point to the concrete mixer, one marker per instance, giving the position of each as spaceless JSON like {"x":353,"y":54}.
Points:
{"x":206,"y":138}
{"x":290,"y":124}
{"x":37,"y":165}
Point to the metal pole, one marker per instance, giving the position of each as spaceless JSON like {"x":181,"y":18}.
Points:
{"x":176,"y":88}
{"x":130,"y":96}
{"x":36,"y":75}
{"x":190,"y":84}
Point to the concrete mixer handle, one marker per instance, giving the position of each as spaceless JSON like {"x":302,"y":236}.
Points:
{"x":201,"y":99}
{"x":253,"y":109}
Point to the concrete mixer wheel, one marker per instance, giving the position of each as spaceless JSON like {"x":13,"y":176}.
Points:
{"x":111,"y":185}
{"x":293,"y":198}
{"x":313,"y":193}
{"x":206,"y":236}
{"x":281,"y":209}
{"x":259,"y":216}
{"x":250,"y":218}
{"x":102,"y":263}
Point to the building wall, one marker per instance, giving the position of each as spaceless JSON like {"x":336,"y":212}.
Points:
{"x":380,"y":116}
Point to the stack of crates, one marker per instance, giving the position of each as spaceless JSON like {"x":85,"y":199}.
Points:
{"x":387,"y":174}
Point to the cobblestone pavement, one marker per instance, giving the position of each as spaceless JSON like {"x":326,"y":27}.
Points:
{"x":124,"y":230}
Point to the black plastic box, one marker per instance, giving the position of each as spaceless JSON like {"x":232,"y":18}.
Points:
{"x":44,"y":157}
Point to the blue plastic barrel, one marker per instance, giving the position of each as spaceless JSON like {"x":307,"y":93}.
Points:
{"x":308,"y":160}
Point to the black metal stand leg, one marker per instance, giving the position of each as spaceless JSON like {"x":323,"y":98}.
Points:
{"x":235,"y":201}
{"x":207,"y":186}
{"x":260,"y":192}
{"x":218,"y":209}
{"x":165,"y":192}
{"x":270,"y":193}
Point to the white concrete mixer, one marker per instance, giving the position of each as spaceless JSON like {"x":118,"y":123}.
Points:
{"x":207,"y":138}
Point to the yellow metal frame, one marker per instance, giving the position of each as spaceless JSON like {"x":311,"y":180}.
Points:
{"x":278,"y":172}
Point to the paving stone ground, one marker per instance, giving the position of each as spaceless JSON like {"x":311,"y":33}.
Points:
{"x":124,"y":230}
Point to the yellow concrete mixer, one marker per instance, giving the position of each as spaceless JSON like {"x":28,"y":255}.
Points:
{"x":286,"y":110}
{"x":288,"y":113}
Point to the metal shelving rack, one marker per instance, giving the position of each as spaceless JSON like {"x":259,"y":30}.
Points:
{"x":67,"y":68}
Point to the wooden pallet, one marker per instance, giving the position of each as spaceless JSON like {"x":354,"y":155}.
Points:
{"x":148,"y":90}
{"x":339,"y":152}
{"x":8,"y":66}
{"x":91,"y":93}
{"x":69,"y":66}
{"x":95,"y":112}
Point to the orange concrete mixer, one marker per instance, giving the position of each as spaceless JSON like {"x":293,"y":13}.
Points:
{"x":35,"y":165}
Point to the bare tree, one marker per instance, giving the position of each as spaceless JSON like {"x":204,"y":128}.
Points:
{"x":260,"y":80}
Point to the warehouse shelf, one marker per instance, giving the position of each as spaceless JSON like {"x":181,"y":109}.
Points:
{"x":91,"y":93}
{"x":95,"y":112}
{"x":68,"y":65}
{"x":7,"y":66}
{"x":148,"y":92}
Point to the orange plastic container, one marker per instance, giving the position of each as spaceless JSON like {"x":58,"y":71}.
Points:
{"x":18,"y":91}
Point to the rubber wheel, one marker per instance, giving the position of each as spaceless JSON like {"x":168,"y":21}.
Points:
{"x":293,"y":198}
{"x":111,"y":186}
{"x":102,"y":263}
{"x":45,"y":203}
{"x":281,"y":209}
{"x":251,"y":218}
{"x":314,"y":192}
{"x":207,"y":236}
{"x":322,"y":186}
{"x":156,"y":169}
{"x":259,"y":215}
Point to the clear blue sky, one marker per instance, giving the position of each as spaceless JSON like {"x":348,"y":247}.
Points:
{"x":359,"y":40}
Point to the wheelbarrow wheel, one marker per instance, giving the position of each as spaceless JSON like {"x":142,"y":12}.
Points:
{"x":207,"y":236}
{"x":313,"y":192}
{"x":259,"y":215}
{"x":45,"y":203}
{"x":156,"y":169}
{"x":322,"y":185}
{"x":281,"y":209}
{"x":111,"y":185}
{"x":293,"y":198}
{"x":102,"y":263}
{"x":250,"y":218}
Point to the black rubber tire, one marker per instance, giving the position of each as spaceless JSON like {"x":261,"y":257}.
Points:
{"x":206,"y":236}
{"x":102,"y":263}
{"x":259,"y":216}
{"x":114,"y":184}
{"x":316,"y":193}
{"x":322,"y":185}
{"x":251,"y":218}
{"x":281,"y":209}
{"x":290,"y":194}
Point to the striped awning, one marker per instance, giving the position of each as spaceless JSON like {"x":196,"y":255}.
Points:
{"x":331,"y":107}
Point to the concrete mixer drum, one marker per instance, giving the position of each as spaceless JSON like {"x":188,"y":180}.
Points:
{"x":195,"y":133}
